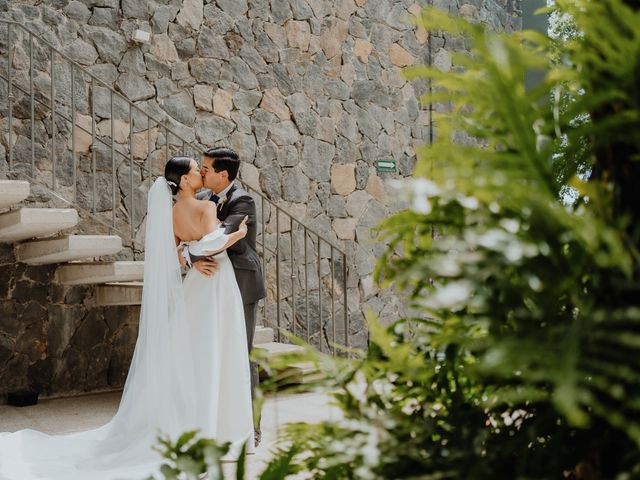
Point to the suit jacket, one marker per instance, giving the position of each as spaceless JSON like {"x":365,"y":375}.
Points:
{"x":243,"y":254}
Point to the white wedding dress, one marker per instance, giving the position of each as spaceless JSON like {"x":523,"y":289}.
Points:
{"x":190,"y":370}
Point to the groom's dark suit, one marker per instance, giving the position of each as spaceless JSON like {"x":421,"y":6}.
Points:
{"x":243,"y":255}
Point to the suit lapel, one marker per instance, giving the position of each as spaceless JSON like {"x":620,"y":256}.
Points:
{"x":223,"y":204}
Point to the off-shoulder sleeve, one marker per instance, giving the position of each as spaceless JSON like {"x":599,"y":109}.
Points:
{"x":210,"y":243}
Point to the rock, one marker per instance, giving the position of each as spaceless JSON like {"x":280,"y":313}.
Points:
{"x":212,"y":45}
{"x":180,"y":106}
{"x":91,"y":332}
{"x":357,"y":202}
{"x":102,"y":104}
{"x":421,"y":34}
{"x":306,"y":119}
{"x":211,"y":129}
{"x":246,"y":101}
{"x":273,"y":101}
{"x":283,"y":79}
{"x":134,"y":87}
{"x":242,"y":121}
{"x":82,"y":52}
{"x":219,"y":21}
{"x":222,"y":103}
{"x":120,"y":130}
{"x":346,"y":8}
{"x":163,"y":48}
{"x":110,"y":45}
{"x":253,"y":58}
{"x":202,"y":96}
{"x":469,"y":12}
{"x":333,"y":37}
{"x":105,"y":17}
{"x":242,"y":74}
{"x":288,"y":156}
{"x":245,"y":145}
{"x":325,"y":130}
{"x":105,"y":72}
{"x":165,"y":87}
{"x":337,"y":89}
{"x":276,"y":33}
{"x":298,"y":34}
{"x":270,"y":181}
{"x":375,"y":188}
{"x":442,"y":60}
{"x":321,"y":8}
{"x":124,"y":176}
{"x":135,"y":9}
{"x":362,"y":50}
{"x":250,"y":175}
{"x":399,"y":56}
{"x":301,"y":9}
{"x":267,"y":48}
{"x":162,"y":15}
{"x":191,"y":14}
{"x":262,"y":121}
{"x":266,"y":153}
{"x":77,"y":11}
{"x":348,"y":74}
{"x":156,"y":67}
{"x":140,"y":143}
{"x":368,"y":287}
{"x":367,"y":124}
{"x":280,"y":11}
{"x":82,"y":138}
{"x":205,"y":70}
{"x":345,"y":228}
{"x":343,"y":178}
{"x":233,"y":8}
{"x":284,"y":133}
{"x":336,"y":207}
{"x":295,"y":185}
{"x":133,"y":62}
{"x":317,"y":157}
{"x":180,"y":71}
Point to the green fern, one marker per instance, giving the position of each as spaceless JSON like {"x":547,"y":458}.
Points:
{"x":523,"y":359}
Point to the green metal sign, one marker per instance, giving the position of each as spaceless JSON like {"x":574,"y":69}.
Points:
{"x":386,"y":166}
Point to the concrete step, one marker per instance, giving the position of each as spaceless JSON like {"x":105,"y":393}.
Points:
{"x":302,"y":372}
{"x":275,"y":348}
{"x":293,"y":373}
{"x":263,"y":335}
{"x":92,"y":273}
{"x":13,"y":191}
{"x":67,"y":249}
{"x":112,"y":294}
{"x":28,"y":223}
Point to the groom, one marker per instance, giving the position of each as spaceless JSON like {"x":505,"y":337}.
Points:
{"x":219,"y":170}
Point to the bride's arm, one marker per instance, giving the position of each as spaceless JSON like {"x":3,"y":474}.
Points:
{"x":234,"y":237}
{"x":209,"y":217}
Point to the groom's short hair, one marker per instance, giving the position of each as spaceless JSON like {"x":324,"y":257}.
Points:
{"x":224,"y":158}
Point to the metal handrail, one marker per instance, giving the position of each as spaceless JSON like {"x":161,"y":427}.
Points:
{"x":89,"y":74}
{"x":162,"y":126}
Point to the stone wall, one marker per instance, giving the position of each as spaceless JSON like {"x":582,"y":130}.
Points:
{"x":310,"y":93}
{"x":53,"y":340}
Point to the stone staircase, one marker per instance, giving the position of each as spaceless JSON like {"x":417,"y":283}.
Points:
{"x":41,"y":237}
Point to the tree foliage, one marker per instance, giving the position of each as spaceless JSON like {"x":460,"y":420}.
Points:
{"x":523,"y":360}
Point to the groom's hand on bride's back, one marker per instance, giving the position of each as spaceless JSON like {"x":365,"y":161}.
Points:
{"x":206,"y":266}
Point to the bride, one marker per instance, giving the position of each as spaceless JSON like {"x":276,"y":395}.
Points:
{"x":190,"y":367}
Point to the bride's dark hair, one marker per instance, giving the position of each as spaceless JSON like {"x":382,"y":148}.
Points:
{"x":175,"y":168}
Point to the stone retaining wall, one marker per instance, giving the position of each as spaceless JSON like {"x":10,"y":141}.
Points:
{"x":310,"y":93}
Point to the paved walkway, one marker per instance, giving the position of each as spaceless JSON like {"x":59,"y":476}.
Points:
{"x":90,"y":411}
